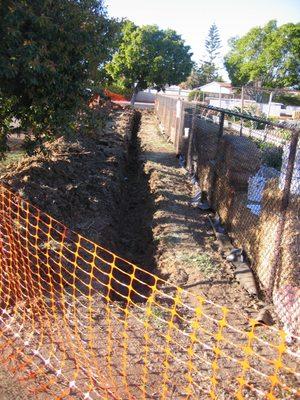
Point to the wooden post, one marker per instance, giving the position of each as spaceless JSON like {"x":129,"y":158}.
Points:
{"x":179,"y":125}
{"x":270,"y":103}
{"x":221,"y":125}
{"x":242,"y":99}
{"x":191,"y":143}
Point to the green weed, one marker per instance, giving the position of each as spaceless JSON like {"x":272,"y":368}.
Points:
{"x":202,"y":262}
{"x":11,"y":157}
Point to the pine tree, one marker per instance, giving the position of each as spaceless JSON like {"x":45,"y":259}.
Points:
{"x":208,"y":68}
{"x":207,"y":71}
{"x":213,"y":44}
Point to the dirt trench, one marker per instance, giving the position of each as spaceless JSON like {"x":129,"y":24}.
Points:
{"x":186,"y":252}
{"x":160,"y":232}
{"x":124,"y":189}
{"x":136,"y":242}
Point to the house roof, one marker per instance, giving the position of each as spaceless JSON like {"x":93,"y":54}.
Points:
{"x":225,"y":84}
{"x":211,"y":87}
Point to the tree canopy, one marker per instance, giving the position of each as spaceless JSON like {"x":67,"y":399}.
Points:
{"x":150,"y":57}
{"x":268,"y":54}
{"x":50,"y":52}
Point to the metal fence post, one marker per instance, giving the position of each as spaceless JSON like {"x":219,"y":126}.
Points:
{"x":214,"y":174}
{"x":221,"y":126}
{"x":276,"y":266}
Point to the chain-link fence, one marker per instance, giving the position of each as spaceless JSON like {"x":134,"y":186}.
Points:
{"x":248,"y":171}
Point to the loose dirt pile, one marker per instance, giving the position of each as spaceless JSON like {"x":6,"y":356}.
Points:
{"x":80,"y":181}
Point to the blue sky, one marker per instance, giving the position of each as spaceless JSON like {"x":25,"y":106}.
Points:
{"x":192,"y":18}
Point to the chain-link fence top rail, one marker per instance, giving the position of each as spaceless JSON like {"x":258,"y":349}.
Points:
{"x":77,"y":320}
{"x":248,"y":169}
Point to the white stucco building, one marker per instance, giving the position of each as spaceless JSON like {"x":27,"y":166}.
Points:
{"x":217,"y":88}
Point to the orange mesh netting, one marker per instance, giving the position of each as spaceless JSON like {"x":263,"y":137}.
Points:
{"x":77,"y":321}
{"x":114,"y":96}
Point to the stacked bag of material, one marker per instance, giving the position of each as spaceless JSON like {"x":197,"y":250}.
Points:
{"x":256,"y":187}
{"x":241,"y":160}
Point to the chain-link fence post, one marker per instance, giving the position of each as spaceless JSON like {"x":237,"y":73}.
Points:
{"x":221,"y":125}
{"x":214,"y":175}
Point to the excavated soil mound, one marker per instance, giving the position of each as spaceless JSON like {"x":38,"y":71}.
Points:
{"x":80,"y":180}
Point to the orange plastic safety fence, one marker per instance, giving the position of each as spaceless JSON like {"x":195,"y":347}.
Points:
{"x":77,"y":321}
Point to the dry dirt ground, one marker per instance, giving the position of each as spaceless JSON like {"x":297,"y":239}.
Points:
{"x":129,"y":194}
{"x":187,"y":253}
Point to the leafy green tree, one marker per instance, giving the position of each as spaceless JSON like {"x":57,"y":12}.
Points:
{"x":288,"y":99}
{"x":50,"y":53}
{"x":201,"y":76}
{"x":193,"y":80}
{"x":208,"y":73}
{"x":150,"y":57}
{"x":268,"y":54}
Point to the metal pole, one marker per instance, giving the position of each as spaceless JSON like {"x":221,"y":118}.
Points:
{"x":215,"y":163}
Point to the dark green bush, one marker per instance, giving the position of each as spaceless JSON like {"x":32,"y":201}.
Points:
{"x":271,"y":154}
{"x":50,"y":52}
{"x":288,"y":99}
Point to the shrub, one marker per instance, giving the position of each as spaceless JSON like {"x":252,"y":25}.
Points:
{"x":251,"y":111}
{"x":288,"y":99}
{"x":271,"y":154}
{"x":50,"y":52}
{"x":195,"y":95}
